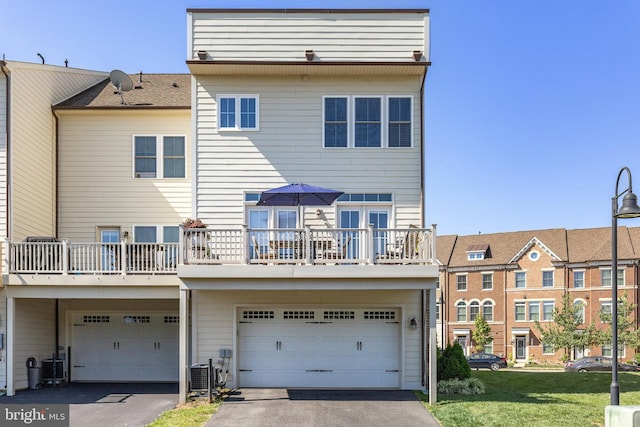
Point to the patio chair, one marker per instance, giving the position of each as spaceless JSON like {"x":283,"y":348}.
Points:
{"x":258,"y":253}
{"x":338,"y":251}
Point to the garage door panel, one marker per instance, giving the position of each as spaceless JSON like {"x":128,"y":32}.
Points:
{"x":125,"y":347}
{"x":319,"y":348}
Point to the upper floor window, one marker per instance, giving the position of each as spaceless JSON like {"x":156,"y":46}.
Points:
{"x":579,"y":306}
{"x":605,"y":277}
{"x":475,"y":256}
{"x":461,"y":311}
{"x":159,"y":157}
{"x":520,"y":311}
{"x":487,"y":311}
{"x":547,"y":310}
{"x":605,"y":309}
{"x":487,"y":281}
{"x":336,"y":127}
{"x":534,"y":310}
{"x":547,"y":279}
{"x":238,"y":112}
{"x":399,"y":122}
{"x":521,"y":279}
{"x":474,"y":310}
{"x":578,"y":279}
{"x":462,"y":282}
{"x":367,"y":122}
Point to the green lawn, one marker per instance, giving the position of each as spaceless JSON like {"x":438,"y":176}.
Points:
{"x":523,"y":399}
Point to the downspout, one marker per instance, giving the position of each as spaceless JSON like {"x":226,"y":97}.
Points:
{"x":56,"y":149}
{"x":423,"y":300}
{"x":7,"y":74}
{"x":423,"y":150}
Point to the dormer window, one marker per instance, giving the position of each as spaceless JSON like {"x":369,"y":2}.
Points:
{"x":477,"y":252}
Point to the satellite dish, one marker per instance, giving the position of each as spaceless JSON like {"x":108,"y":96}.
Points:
{"x":122,"y":82}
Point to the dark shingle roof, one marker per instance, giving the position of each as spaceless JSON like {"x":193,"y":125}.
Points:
{"x":155,"y":91}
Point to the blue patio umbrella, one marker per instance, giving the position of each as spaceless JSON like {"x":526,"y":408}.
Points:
{"x":298,"y":194}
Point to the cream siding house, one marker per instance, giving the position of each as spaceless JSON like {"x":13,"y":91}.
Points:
{"x":27,"y":199}
{"x":106,"y":219}
{"x":284,"y":96}
{"x":119,"y":288}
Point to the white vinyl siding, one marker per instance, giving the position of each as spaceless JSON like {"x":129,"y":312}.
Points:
{"x":96,"y":173}
{"x":289,"y":144}
{"x":273,"y":36}
{"x":35,"y":88}
{"x":214,"y":319}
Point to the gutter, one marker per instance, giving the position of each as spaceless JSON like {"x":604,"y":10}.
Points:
{"x":7,"y":74}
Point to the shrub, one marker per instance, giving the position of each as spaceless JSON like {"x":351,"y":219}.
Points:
{"x":452,"y":363}
{"x":458,"y":386}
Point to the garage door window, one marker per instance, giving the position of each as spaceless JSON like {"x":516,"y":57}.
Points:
{"x":339,"y":315}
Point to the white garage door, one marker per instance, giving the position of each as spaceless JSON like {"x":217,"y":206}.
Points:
{"x":124,"y":347}
{"x":319,"y":348}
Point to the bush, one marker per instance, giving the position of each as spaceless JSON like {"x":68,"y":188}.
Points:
{"x":457,"y":386}
{"x":452,"y":363}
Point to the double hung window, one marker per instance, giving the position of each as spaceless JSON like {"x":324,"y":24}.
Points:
{"x":367,"y":122}
{"x":238,"y":112}
{"x":159,"y":156}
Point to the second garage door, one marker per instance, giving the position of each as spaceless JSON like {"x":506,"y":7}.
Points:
{"x":319,"y":348}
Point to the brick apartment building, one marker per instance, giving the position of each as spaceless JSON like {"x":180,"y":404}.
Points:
{"x":515,"y":278}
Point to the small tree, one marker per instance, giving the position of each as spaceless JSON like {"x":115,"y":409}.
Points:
{"x":482,"y":333}
{"x":452,"y":363}
{"x":627,"y":333}
{"x":565,"y":332}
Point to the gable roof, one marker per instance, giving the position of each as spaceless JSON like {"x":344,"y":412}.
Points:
{"x":504,"y":246}
{"x":535,"y":242}
{"x":150,"y":91}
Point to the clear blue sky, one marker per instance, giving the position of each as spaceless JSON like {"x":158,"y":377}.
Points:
{"x":532,"y":107}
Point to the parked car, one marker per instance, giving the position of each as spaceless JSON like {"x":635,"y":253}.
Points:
{"x":486,"y":360}
{"x":597,"y":363}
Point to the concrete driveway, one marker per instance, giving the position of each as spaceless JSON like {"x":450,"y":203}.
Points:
{"x":318,"y":408}
{"x":108,"y":405}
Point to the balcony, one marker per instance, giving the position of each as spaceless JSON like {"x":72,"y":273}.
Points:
{"x":208,"y":246}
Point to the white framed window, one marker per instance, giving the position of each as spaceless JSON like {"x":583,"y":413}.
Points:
{"x":156,"y":233}
{"x":605,"y":277}
{"x":474,"y":310}
{"x":580,"y":308}
{"x":578,"y":279}
{"x":487,"y":281}
{"x":157,"y":156}
{"x":335,"y":115}
{"x":547,"y":279}
{"x":534,"y":310}
{"x":399,"y":129}
{"x":520,"y":311}
{"x":547,"y":310}
{"x":461,"y":311}
{"x":238,"y":112}
{"x":367,"y":121}
{"x":461,"y":282}
{"x":521,"y":279}
{"x":548,"y":349}
{"x":487,"y":311}
{"x":474,"y":256}
{"x":605,"y":308}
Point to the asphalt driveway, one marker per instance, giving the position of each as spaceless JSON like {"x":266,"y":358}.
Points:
{"x":319,"y":408}
{"x":108,"y":405}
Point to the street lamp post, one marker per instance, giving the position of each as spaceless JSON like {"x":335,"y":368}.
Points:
{"x":629,"y":209}
{"x":442,"y":337}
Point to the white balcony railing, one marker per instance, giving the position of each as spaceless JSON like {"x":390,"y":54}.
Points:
{"x":247,"y":246}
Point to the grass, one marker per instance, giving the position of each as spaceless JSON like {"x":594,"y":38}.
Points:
{"x":531,"y":399}
{"x":191,"y":414}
